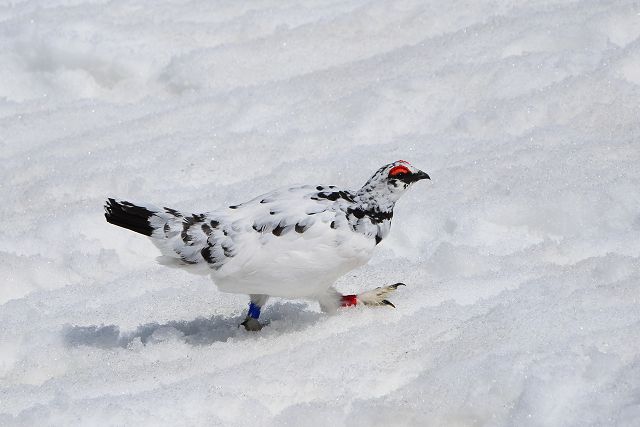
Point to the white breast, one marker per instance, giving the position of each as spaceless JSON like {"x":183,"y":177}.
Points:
{"x":293,"y":265}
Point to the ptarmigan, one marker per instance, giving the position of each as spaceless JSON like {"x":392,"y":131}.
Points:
{"x":291,"y":243}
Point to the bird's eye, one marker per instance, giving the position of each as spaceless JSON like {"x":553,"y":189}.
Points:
{"x":399,"y":171}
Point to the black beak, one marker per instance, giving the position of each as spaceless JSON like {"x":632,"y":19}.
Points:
{"x":422,"y":175}
{"x":418,"y":176}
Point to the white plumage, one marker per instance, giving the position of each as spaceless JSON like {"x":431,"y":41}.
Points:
{"x":292,"y":243}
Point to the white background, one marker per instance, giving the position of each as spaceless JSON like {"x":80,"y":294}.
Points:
{"x":521,"y":256}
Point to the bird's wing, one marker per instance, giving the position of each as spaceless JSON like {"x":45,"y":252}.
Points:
{"x":216,"y":237}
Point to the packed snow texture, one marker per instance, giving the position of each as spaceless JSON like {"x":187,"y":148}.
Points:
{"x":521,"y":256}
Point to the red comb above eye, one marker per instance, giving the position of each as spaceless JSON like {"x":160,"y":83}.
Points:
{"x":398,"y":170}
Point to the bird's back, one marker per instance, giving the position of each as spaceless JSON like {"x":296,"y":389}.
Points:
{"x":292,"y":242}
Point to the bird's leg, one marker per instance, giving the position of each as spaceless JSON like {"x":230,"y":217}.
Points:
{"x":251,"y":321}
{"x":374,"y":297}
{"x":333,"y":300}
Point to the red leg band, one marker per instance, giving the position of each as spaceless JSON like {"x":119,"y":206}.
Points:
{"x":349,"y":300}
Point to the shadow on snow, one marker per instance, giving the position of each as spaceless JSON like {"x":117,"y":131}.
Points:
{"x":282,"y":317}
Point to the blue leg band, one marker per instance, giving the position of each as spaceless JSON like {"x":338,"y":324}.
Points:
{"x":254,"y":311}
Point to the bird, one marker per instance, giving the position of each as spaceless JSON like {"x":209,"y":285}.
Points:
{"x":292,"y":243}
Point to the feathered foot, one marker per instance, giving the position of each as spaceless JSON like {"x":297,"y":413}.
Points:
{"x":251,"y":322}
{"x":374,"y":297}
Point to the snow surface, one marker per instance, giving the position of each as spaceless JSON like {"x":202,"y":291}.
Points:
{"x":522,"y":256}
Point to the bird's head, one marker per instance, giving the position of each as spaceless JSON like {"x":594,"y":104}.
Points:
{"x":392,"y":180}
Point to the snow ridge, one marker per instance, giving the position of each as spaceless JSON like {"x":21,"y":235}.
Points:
{"x":521,"y":258}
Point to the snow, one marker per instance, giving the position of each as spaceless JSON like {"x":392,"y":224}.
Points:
{"x":521,"y":256}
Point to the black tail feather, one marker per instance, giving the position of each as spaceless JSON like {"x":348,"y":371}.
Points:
{"x":128,"y":215}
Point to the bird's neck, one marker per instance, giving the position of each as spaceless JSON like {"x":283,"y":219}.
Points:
{"x":369,"y":199}
{"x":371,"y":215}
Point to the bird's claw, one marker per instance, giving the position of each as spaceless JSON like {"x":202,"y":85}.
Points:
{"x":387,"y":302}
{"x":378,"y":296}
{"x":251,"y":324}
